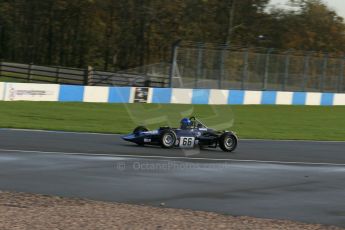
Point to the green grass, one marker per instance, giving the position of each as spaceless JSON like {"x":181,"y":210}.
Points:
{"x":268,"y":122}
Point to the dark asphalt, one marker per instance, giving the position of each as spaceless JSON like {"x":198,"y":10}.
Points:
{"x":286,"y":151}
{"x":291,"y":187}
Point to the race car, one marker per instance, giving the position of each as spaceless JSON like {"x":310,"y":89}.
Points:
{"x":192,"y":132}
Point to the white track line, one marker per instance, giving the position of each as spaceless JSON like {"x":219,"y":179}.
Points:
{"x":277,"y":140}
{"x":115,"y":134}
{"x":172,"y":158}
{"x":67,"y":132}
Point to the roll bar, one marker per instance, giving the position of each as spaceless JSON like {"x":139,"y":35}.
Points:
{"x":197,"y":123}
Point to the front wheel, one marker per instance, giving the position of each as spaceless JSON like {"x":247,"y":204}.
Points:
{"x":168,"y":139}
{"x":228,"y":142}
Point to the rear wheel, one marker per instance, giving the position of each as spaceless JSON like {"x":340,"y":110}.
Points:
{"x":168,"y":139}
{"x":228,"y":142}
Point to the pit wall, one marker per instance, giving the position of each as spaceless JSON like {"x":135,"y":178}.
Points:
{"x":67,"y":93}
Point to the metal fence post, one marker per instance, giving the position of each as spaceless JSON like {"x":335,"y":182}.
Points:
{"x":57,"y":73}
{"x":324,"y":72}
{"x":286,"y":72}
{"x":245,"y":68}
{"x":305,"y":71}
{"x":0,"y":68}
{"x":341,"y":76}
{"x":173,"y":62}
{"x":199,"y":64}
{"x":88,"y":75}
{"x":29,"y":72}
{"x":267,"y":63}
{"x":221,"y":67}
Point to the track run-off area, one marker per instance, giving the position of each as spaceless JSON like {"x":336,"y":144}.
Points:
{"x":295,"y":180}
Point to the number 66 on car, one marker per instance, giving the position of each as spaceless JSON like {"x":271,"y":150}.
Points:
{"x":187,"y":142}
{"x":192,"y":132}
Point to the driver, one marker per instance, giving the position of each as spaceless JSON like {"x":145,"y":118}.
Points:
{"x":186,"y":123}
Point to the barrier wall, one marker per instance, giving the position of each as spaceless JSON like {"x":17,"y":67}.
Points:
{"x":2,"y":86}
{"x":67,"y":93}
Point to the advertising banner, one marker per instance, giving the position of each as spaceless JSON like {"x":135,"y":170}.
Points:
{"x":2,"y":91}
{"x":141,"y":95}
{"x":31,"y":92}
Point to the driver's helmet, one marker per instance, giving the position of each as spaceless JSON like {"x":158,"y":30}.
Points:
{"x":186,"y":123}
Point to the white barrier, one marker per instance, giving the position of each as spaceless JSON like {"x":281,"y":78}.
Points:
{"x":252,"y":98}
{"x":181,"y":96}
{"x":2,"y":91}
{"x":96,"y":94}
{"x":218,"y":97}
{"x":31,"y":92}
{"x":70,"y":93}
{"x":284,"y":98}
{"x":339,"y":99}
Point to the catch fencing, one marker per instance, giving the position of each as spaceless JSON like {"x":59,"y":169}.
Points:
{"x":230,"y":67}
{"x":205,"y":66}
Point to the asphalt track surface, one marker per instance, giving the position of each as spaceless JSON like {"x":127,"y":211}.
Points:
{"x":296,"y":180}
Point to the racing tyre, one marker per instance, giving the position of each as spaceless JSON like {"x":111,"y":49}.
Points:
{"x":168,"y":139}
{"x":139,"y":129}
{"x":228,"y":142}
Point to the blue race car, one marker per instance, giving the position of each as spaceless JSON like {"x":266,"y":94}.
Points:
{"x":192,"y":132}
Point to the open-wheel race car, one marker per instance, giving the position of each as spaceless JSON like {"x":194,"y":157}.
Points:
{"x":191,"y":133}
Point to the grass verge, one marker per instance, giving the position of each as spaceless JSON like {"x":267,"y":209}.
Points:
{"x":266,"y":122}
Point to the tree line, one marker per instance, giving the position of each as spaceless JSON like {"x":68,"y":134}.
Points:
{"x":121,"y":34}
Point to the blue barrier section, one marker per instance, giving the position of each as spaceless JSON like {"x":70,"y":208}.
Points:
{"x":299,"y":98}
{"x":119,"y":94}
{"x":200,"y":96}
{"x":327,"y":99}
{"x":269,"y":97}
{"x":161,"y":95}
{"x":236,"y":97}
{"x":71,"y":93}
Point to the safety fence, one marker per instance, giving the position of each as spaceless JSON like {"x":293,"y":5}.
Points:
{"x":202,"y":66}
{"x":230,"y":67}
{"x":16,"y":72}
{"x":106,"y":94}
